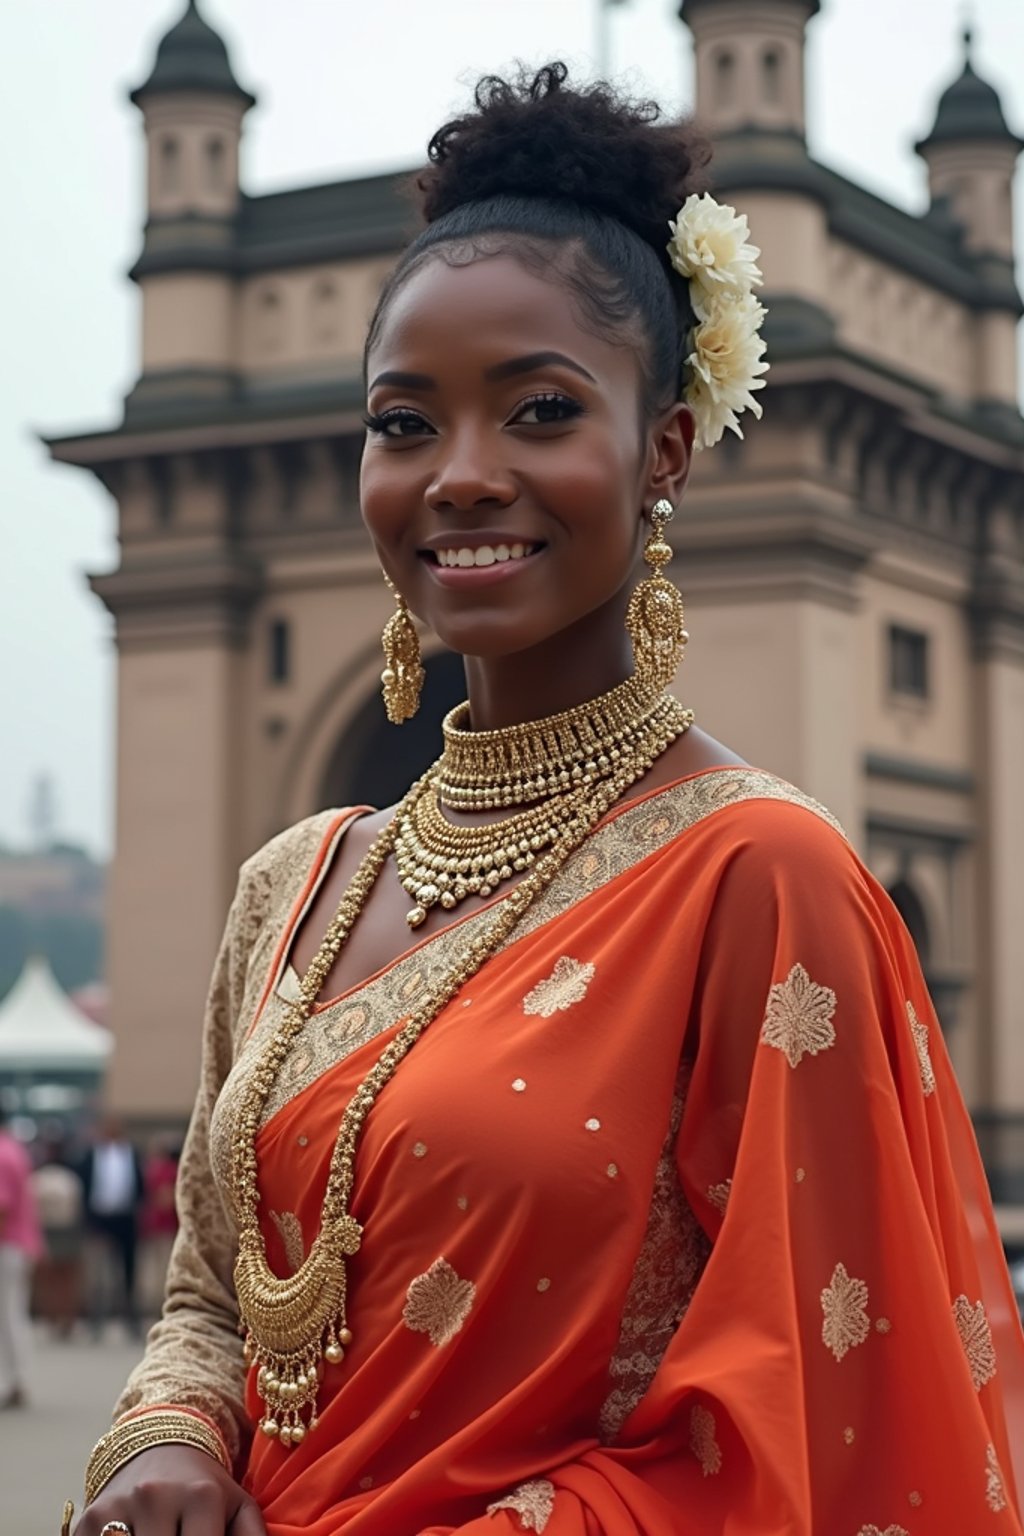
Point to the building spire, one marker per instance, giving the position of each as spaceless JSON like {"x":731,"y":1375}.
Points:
{"x":192,"y":56}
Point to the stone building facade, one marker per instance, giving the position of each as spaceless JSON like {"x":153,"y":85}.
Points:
{"x":854,"y":569}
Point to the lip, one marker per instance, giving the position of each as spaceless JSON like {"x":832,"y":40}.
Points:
{"x":481,"y":575}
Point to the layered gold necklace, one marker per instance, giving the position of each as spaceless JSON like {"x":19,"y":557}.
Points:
{"x":552,"y":766}
{"x":295,"y":1327}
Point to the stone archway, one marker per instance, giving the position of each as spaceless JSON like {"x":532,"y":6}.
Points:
{"x":374,"y":762}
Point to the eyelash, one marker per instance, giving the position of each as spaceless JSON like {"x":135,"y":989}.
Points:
{"x":570,"y":408}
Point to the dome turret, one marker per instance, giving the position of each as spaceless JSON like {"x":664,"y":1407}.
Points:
{"x":971,"y":155}
{"x":192,"y":57}
{"x":969,"y":109}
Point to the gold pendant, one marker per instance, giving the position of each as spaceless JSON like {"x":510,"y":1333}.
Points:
{"x":295,"y":1326}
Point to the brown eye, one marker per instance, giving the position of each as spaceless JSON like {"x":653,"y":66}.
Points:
{"x":544,"y":410}
{"x":396,"y":423}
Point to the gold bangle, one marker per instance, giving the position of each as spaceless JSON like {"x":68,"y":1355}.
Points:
{"x":142,"y":1432}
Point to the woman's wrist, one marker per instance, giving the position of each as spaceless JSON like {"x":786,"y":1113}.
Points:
{"x":140,"y":1432}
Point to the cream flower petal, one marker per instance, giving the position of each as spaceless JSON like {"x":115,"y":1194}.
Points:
{"x":725,"y":365}
{"x":709,"y":246}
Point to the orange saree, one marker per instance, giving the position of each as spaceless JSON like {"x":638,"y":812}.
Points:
{"x":674,"y":1222}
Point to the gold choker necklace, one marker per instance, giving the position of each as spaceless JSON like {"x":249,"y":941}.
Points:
{"x":521,"y":764}
{"x":296,"y":1327}
{"x":551,"y":764}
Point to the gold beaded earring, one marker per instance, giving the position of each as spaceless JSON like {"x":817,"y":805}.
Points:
{"x":654,"y":618}
{"x":403,"y":675}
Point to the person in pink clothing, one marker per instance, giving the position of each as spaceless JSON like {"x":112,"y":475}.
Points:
{"x":20,"y":1246}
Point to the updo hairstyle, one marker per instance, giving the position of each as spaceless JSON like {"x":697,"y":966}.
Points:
{"x":579,"y":182}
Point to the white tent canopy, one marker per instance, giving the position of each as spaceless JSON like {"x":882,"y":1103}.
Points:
{"x":41,"y":1030}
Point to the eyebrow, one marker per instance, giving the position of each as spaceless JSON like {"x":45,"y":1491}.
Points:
{"x":510,"y":369}
{"x":530,"y":363}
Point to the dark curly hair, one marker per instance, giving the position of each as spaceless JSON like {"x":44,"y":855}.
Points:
{"x":576,"y":181}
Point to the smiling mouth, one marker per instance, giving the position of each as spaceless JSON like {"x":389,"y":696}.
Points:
{"x":467,"y":557}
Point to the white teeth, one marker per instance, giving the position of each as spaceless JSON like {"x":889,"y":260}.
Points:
{"x":483,"y":554}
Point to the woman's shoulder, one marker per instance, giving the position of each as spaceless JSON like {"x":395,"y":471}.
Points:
{"x":750,"y":806}
{"x":293,"y":845}
{"x":277,"y":871}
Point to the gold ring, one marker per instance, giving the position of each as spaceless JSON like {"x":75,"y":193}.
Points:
{"x":116,"y":1525}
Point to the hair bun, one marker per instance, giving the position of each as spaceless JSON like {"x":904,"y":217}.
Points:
{"x":534,"y":137}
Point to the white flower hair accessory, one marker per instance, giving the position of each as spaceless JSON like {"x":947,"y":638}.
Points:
{"x":711,"y":249}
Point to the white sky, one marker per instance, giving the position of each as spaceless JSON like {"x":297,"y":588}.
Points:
{"x":345,"y":87}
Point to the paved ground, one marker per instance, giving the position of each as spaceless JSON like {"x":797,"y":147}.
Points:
{"x":43,"y":1448}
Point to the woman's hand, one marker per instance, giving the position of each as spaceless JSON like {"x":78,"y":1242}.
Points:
{"x":173,"y":1490}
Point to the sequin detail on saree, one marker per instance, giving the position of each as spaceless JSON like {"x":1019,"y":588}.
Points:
{"x":438,"y":1303}
{"x":533,"y":1502}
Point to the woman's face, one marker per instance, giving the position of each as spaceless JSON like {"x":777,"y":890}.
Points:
{"x":505,"y":471}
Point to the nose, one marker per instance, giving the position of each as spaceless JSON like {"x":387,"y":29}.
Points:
{"x":470,"y":474}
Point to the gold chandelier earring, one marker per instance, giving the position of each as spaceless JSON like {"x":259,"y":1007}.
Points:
{"x":654,"y":617}
{"x":402,"y":678}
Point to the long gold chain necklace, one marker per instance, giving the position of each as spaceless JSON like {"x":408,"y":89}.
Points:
{"x":295,"y":1326}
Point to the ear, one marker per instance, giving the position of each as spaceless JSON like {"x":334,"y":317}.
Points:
{"x":670,"y":454}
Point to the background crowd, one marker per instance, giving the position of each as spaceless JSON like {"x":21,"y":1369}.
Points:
{"x":86,"y":1227}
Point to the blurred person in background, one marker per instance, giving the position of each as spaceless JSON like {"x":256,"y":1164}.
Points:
{"x":159,"y":1223}
{"x":113,"y":1187}
{"x":20,"y":1246}
{"x":577,"y":1150}
{"x":57,"y":1286}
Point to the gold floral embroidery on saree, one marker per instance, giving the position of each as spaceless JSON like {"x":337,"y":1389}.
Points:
{"x":995,"y":1490}
{"x":703,"y":1441}
{"x":671,"y":1260}
{"x":563,"y":989}
{"x":890,"y":1530}
{"x":718,"y":1195}
{"x":976,"y":1338}
{"x":533,"y":1502}
{"x":924,"y":1058}
{"x":844,"y":1304}
{"x":798,"y":1017}
{"x":438,"y":1303}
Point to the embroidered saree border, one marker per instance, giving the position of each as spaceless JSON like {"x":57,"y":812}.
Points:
{"x":628,"y":837}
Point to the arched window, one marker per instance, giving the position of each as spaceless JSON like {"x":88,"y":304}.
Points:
{"x":216,"y":165}
{"x":169,"y":173}
{"x":323,"y":313}
{"x":771,"y":71}
{"x":270,"y":320}
{"x":911,"y":908}
{"x":725,"y":78}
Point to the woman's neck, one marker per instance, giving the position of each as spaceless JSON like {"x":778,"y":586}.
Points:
{"x":570,"y":668}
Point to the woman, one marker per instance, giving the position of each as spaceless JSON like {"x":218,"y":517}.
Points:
{"x":631,"y":1191}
